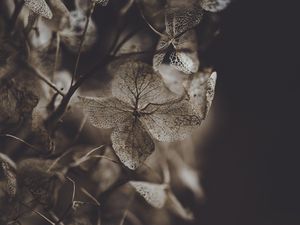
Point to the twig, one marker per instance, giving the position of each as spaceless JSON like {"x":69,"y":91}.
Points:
{"x":39,"y":75}
{"x":89,"y":13}
{"x":17,"y":10}
{"x":56,"y":54}
{"x":84,"y":191}
{"x":145,"y":19}
{"x":38,"y":213}
{"x":51,"y":122}
{"x":125,"y":39}
{"x":20,"y":140}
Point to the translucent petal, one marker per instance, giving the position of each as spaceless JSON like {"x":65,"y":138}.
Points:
{"x":39,"y":7}
{"x":179,"y":19}
{"x":132,"y":143}
{"x":185,"y":61}
{"x":170,"y":122}
{"x":105,"y":112}
{"x":161,"y":49}
{"x":185,"y":58}
{"x":214,"y":5}
{"x":137,"y":84}
{"x":154,"y":194}
{"x":201,"y":91}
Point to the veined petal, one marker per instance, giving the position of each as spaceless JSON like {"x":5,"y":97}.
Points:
{"x":39,"y":7}
{"x":132,"y":143}
{"x":201,"y":91}
{"x":181,"y":19}
{"x":105,"y":112}
{"x":154,"y":194}
{"x":138,"y":84}
{"x":171,"y":121}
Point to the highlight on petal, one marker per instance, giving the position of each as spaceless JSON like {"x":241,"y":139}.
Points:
{"x":105,"y":112}
{"x":179,"y":19}
{"x":201,"y":91}
{"x":159,"y":196}
{"x":185,"y":58}
{"x":185,"y":62}
{"x":214,"y":5}
{"x":39,"y":7}
{"x":132,"y":143}
{"x":154,"y":194}
{"x":171,"y":121}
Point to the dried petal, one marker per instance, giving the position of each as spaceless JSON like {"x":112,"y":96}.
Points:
{"x":39,"y":7}
{"x":161,"y":49}
{"x":105,"y":112}
{"x":185,"y":58}
{"x":185,"y":62}
{"x":137,"y":84}
{"x":214,"y":5}
{"x":179,"y":20}
{"x":201,"y":92}
{"x":171,"y":121}
{"x":154,"y":194}
{"x":132,"y":143}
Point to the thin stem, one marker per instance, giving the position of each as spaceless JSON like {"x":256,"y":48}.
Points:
{"x":56,"y":54}
{"x":145,"y":19}
{"x":20,"y":140}
{"x":51,"y":122}
{"x":17,"y":10}
{"x":39,"y":75}
{"x":89,"y":13}
{"x":38,"y":213}
{"x":125,"y":39}
{"x":84,"y":191}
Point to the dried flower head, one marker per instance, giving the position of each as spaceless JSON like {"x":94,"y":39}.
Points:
{"x":184,"y":55}
{"x":141,"y":109}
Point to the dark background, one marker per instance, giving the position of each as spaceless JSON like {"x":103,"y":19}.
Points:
{"x":252,"y":169}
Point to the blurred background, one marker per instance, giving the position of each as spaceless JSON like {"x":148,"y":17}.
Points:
{"x":251,"y":168}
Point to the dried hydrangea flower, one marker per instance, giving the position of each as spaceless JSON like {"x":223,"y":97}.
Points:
{"x":39,"y":7}
{"x":184,"y":56}
{"x":159,"y":196}
{"x":141,"y":109}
